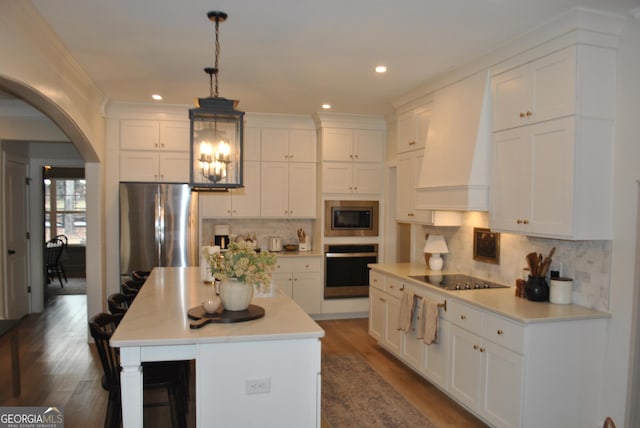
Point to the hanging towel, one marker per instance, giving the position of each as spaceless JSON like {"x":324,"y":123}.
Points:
{"x":420,"y":314}
{"x":405,"y":315}
{"x":430,"y":321}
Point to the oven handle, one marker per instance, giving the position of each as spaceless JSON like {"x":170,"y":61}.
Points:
{"x":350,"y":254}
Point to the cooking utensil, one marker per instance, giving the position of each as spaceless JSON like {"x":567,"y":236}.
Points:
{"x":532,"y":262}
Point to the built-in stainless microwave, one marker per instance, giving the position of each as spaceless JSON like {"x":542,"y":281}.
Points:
{"x":351,"y":218}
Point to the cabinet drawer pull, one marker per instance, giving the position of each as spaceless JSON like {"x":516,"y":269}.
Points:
{"x":412,"y":143}
{"x":475,"y":347}
{"x":529,"y":113}
{"x":463,"y":317}
{"x":521,"y":114}
{"x":500,"y":332}
{"x":391,"y":286}
{"x":382,"y":300}
{"x":410,"y":215}
{"x":525,"y":221}
{"x":482,"y":349}
{"x":518,"y":221}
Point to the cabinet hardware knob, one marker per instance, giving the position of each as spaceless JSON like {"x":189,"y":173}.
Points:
{"x":519,"y":221}
{"x":482,"y":349}
{"x":500,"y":332}
{"x":402,"y":288}
{"x":529,"y":113}
{"x":463,"y":317}
{"x":357,"y":157}
{"x":391,"y":287}
{"x":382,"y":300}
{"x":521,"y":114}
{"x":162,"y":145}
{"x":412,"y":143}
{"x":475,"y":347}
{"x":525,"y":221}
{"x":351,"y":156}
{"x":410,"y":215}
{"x":11,"y":251}
{"x":155,"y":145}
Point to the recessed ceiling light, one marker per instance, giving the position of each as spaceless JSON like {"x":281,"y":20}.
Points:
{"x":326,"y":106}
{"x":156,"y":97}
{"x":381,"y":69}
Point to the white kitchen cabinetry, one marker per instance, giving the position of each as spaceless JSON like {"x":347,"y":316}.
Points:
{"x":377,"y":302}
{"x":340,"y":177}
{"x":352,"y":160}
{"x":357,"y":145}
{"x":540,"y":90}
{"x":288,"y":173}
{"x":300,"y":278}
{"x":502,"y":370}
{"x":152,"y":150}
{"x":553,"y":177}
{"x":240,"y":202}
{"x":413,"y":128}
{"x":288,"y":189}
{"x":291,"y":145}
{"x":484,"y":376}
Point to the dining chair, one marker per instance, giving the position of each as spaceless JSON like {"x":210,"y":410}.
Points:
{"x":53,"y":251}
{"x":63,"y":254}
{"x":155,"y":375}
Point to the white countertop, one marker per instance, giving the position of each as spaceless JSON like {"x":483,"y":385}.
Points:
{"x":501,"y":301}
{"x":158,"y":315}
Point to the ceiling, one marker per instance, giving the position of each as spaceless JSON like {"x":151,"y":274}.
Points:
{"x":289,"y":56}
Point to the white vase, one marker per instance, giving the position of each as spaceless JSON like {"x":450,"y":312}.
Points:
{"x":236,"y":295}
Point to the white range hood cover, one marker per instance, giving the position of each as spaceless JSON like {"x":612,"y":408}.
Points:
{"x":455,"y":168}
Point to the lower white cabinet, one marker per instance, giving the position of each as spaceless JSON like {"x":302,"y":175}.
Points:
{"x":507,"y":373}
{"x":300,"y":278}
{"x":486,"y":378}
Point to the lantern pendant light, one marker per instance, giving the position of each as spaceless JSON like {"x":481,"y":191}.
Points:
{"x":216,"y":133}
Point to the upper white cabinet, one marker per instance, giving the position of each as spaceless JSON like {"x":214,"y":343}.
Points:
{"x":152,"y":150}
{"x":290,"y":145}
{"x":357,"y":145}
{"x":413,"y":128}
{"x":352,"y":150}
{"x":553,"y":177}
{"x":540,"y":90}
{"x":240,"y":202}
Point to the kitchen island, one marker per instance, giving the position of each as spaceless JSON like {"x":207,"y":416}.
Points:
{"x":510,"y":361}
{"x":262,"y":372}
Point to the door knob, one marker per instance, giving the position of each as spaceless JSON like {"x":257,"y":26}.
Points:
{"x":12,"y":252}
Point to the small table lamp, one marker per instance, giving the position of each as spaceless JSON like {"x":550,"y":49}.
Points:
{"x":436,"y":245}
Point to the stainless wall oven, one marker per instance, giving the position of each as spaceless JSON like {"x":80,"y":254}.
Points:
{"x":351,"y":218}
{"x":346,"y":271}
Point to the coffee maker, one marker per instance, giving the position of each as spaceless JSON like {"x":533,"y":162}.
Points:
{"x":221,"y":234}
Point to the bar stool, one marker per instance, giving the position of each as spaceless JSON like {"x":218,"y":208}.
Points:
{"x":119,"y":302}
{"x":155,"y":375}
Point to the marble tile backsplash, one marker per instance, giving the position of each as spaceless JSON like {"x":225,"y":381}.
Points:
{"x":587,"y":262}
{"x":263,"y":229}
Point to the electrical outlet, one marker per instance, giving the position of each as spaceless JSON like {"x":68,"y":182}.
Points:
{"x":556,"y":267}
{"x":258,"y":386}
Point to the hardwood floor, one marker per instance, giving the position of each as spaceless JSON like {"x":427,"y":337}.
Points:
{"x":59,"y":368}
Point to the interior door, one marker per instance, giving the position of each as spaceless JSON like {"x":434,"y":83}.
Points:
{"x":17,"y":261}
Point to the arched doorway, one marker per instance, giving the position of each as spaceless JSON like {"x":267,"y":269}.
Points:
{"x":63,"y":121}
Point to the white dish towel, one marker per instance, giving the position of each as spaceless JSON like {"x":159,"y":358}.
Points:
{"x":407,"y":306}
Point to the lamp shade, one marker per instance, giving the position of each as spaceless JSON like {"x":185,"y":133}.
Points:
{"x":436,"y":245}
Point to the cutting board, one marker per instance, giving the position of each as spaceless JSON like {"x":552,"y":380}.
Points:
{"x":201,"y":317}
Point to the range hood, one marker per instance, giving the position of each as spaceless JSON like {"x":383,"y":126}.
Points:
{"x":455,"y":168}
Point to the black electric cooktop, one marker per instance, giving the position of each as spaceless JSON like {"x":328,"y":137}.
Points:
{"x":458,"y":282}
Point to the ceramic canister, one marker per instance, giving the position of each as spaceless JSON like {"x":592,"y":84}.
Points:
{"x":560,"y":290}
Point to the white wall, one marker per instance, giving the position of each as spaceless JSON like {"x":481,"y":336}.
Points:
{"x":627,"y":172}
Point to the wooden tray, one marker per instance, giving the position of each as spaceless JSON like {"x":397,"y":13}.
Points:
{"x":201,"y":317}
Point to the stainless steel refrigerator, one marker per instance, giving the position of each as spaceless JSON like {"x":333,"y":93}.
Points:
{"x":158,"y":226}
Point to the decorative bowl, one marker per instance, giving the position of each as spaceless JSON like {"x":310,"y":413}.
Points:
{"x":290,"y":247}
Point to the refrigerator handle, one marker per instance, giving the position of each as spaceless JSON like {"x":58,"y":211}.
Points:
{"x":159,"y":206}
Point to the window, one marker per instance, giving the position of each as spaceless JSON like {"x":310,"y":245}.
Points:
{"x":65,"y":207}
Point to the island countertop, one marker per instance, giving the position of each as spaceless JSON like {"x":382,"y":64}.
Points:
{"x":158,"y":315}
{"x":501,"y":301}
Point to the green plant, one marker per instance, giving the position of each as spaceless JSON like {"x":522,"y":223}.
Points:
{"x":241,"y":261}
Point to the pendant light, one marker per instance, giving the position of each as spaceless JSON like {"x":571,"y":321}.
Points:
{"x":216,"y":133}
